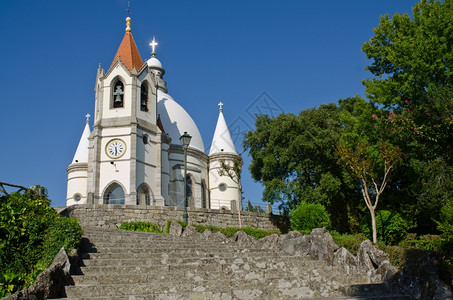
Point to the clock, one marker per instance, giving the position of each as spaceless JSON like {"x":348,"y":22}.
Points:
{"x":115,"y":148}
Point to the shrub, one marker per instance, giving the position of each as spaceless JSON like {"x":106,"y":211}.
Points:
{"x":308,"y":216}
{"x":141,"y":226}
{"x":32,"y":233}
{"x":349,"y":241}
{"x":391,"y":227}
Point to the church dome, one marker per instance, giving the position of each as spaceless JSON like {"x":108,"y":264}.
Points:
{"x":176,"y":121}
{"x":153,"y":62}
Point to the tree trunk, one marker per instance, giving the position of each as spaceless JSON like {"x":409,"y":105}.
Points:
{"x":373,"y":224}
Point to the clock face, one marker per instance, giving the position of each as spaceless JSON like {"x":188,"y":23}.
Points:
{"x":115,"y":148}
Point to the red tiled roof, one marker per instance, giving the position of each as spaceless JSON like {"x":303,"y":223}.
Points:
{"x":128,"y":53}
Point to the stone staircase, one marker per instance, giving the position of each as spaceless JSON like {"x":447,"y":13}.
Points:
{"x":120,"y":264}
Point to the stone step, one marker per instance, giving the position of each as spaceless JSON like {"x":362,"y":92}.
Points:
{"x":201,"y":252}
{"x":159,"y":278}
{"x":314,"y":285}
{"x":239,"y":294}
{"x":254,"y":262}
{"x":236,"y":267}
{"x":88,"y":246}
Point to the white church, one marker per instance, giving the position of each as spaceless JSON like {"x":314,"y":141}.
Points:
{"x":134,"y":154}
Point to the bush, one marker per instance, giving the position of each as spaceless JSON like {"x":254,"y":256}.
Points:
{"x":349,"y":241}
{"x":391,"y":227}
{"x":141,"y":226}
{"x":31,"y":234}
{"x":308,"y":216}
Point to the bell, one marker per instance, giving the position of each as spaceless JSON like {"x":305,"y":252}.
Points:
{"x":117,"y":99}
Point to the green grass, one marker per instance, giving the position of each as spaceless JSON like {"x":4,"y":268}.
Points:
{"x":141,"y":226}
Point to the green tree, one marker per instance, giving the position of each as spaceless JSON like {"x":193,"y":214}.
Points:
{"x":411,"y":56}
{"x":412,"y":64}
{"x":294,"y":157}
{"x":372,"y":168}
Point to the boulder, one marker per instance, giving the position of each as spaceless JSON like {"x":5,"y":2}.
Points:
{"x":345,"y":259}
{"x":271,"y":242}
{"x":243,"y":239}
{"x":190,"y":231}
{"x":370,"y":257}
{"x":175,"y":229}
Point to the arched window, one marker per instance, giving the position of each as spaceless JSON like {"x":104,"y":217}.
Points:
{"x":143,"y":196}
{"x":203,"y":195}
{"x":118,"y":94}
{"x":114,"y":194}
{"x":144,"y":97}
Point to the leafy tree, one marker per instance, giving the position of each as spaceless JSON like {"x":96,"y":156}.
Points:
{"x":411,"y":56}
{"x":294,"y":157}
{"x":412,"y":64}
{"x":372,"y":168}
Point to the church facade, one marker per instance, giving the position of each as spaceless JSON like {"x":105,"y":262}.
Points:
{"x":133,"y":155}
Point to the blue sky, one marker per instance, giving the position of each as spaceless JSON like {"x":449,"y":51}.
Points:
{"x":254,"y":56}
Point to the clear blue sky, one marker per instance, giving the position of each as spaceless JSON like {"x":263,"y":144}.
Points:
{"x":301,"y":53}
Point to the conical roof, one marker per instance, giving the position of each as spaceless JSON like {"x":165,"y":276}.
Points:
{"x":81,"y":155}
{"x":128,"y":51}
{"x":222,"y":141}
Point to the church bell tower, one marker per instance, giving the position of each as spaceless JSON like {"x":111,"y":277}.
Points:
{"x":125,"y":143}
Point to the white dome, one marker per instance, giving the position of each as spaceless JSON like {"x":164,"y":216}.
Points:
{"x":154,"y":63}
{"x":176,"y":121}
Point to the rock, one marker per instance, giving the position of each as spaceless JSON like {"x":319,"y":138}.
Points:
{"x":207,"y":234}
{"x":385,"y":272}
{"x":50,"y":283}
{"x":370,"y":257}
{"x":271,"y":242}
{"x":421,"y":280}
{"x":175,"y":228}
{"x":344,"y":258}
{"x":243,"y":239}
{"x":218,"y":236}
{"x":322,"y":244}
{"x":190,"y":231}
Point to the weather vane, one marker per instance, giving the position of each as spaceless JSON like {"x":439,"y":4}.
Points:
{"x":128,"y":9}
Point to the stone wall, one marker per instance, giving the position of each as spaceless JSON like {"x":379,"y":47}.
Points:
{"x":111,"y":216}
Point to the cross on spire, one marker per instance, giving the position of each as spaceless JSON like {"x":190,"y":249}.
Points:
{"x":220,"y":106}
{"x":88,"y":118}
{"x":153,"y":45}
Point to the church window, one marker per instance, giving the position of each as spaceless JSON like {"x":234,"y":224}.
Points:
{"x":144,"y":97}
{"x":118,"y":94}
{"x":114,"y":194}
{"x":222,"y":187}
{"x":77,"y":197}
